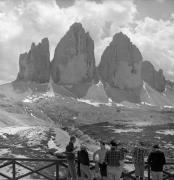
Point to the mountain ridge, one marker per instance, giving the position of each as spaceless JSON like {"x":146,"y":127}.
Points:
{"x":73,"y":72}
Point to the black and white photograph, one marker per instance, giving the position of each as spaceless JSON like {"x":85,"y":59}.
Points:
{"x":86,"y":89}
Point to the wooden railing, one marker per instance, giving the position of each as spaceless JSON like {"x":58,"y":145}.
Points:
{"x":56,"y":163}
{"x":19,"y":162}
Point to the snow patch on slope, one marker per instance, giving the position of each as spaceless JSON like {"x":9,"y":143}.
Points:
{"x":13,"y":130}
{"x":96,"y":96}
{"x":94,"y":103}
{"x":166,"y":132}
{"x":151,"y":97}
{"x":97,"y":93}
{"x":128,"y":130}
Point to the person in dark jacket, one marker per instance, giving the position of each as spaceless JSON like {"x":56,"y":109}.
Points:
{"x":70,"y":154}
{"x":156,"y":160}
{"x":83,"y":159}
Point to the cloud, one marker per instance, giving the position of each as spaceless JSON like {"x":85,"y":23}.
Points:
{"x":65,"y":3}
{"x":68,"y":3}
{"x":160,"y":1}
{"x":155,"y":39}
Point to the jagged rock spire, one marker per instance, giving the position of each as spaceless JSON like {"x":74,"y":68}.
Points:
{"x":34,"y":66}
{"x":74,"y":60}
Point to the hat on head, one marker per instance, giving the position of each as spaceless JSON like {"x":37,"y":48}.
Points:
{"x":156,"y":146}
{"x":102,"y":142}
{"x":72,"y":138}
{"x":83,"y":146}
{"x":114,"y":143}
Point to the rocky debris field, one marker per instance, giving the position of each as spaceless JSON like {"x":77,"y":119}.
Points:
{"x":26,"y":142}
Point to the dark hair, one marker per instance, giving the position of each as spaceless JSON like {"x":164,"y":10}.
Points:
{"x":156,"y":146}
{"x":142,"y":143}
{"x":72,"y":138}
{"x":113,"y":143}
{"x":102,"y":142}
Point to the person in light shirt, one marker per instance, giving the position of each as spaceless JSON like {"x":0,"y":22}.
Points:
{"x":138,"y":155}
{"x":99,"y":158}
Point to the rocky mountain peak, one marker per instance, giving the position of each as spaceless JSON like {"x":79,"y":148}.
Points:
{"x":74,"y":60}
{"x":154,"y":78}
{"x":120,"y":37}
{"x":76,"y":27}
{"x":34,"y":66}
{"x":120,"y":65}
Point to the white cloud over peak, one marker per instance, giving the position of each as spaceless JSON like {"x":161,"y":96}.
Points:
{"x":9,"y":27}
{"x":155,"y":39}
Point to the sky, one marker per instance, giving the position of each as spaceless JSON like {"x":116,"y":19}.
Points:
{"x":148,"y":23}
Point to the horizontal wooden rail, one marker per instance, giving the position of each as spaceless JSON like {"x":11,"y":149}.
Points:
{"x":14,"y":162}
{"x":17,"y":162}
{"x":32,"y":159}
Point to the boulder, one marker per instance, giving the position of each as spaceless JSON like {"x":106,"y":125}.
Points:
{"x":120,"y":68}
{"x":153,"y":78}
{"x":74,"y":61}
{"x":34,"y":66}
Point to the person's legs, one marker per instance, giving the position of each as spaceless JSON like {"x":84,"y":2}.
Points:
{"x":111,"y":173}
{"x":160,"y":175}
{"x":114,"y":173}
{"x":137,"y":171}
{"x":141,"y":168}
{"x":118,"y":171}
{"x":154,"y":175}
{"x":103,"y":170}
{"x":72,"y":169}
{"x":82,"y":171}
{"x":121,"y":168}
{"x":85,"y":170}
{"x":88,"y":172}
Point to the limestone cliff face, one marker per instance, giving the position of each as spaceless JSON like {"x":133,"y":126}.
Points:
{"x":120,"y":66}
{"x":121,"y":63}
{"x":34,"y":66}
{"x":154,"y":78}
{"x":74,"y":60}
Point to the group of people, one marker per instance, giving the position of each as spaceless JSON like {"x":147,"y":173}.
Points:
{"x":155,"y":159}
{"x":109,"y":163}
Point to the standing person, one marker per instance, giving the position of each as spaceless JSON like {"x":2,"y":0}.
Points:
{"x":70,"y":154}
{"x":138,"y":155}
{"x":123,"y":151}
{"x":101,"y":153}
{"x":83,"y":159}
{"x":114,"y":159}
{"x":156,"y":160}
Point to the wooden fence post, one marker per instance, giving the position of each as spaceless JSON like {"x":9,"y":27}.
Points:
{"x":148,"y":172}
{"x":14,"y":169}
{"x":57,"y":170}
